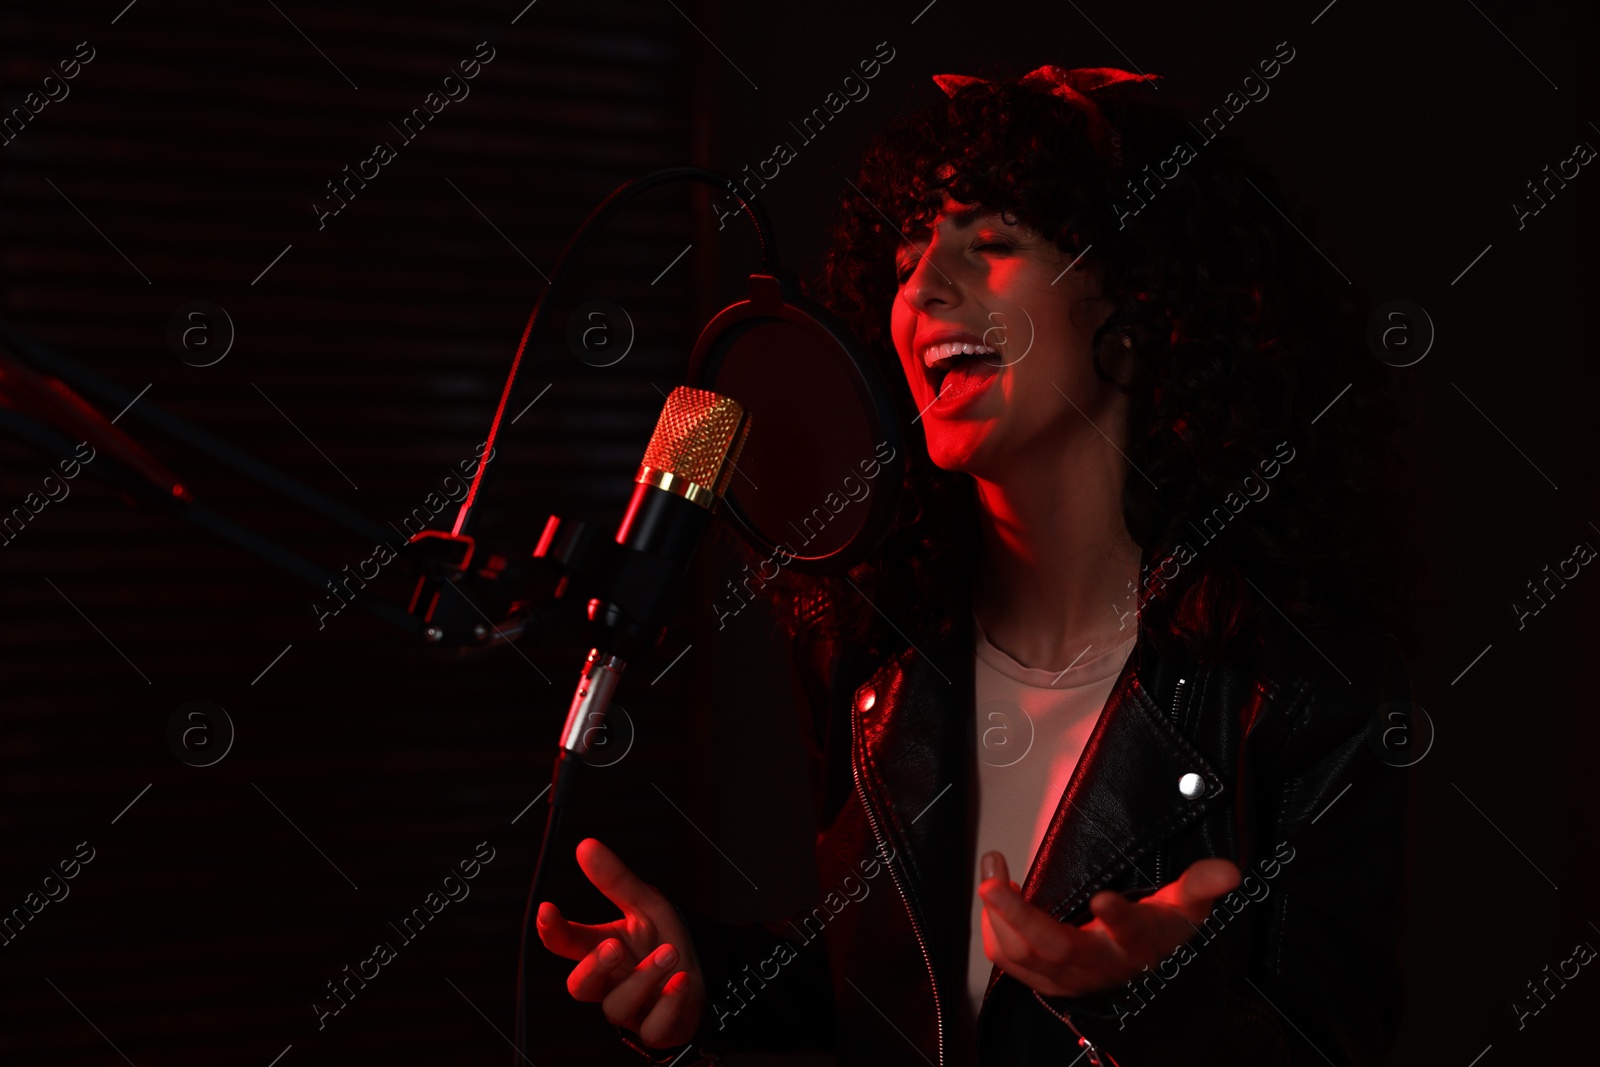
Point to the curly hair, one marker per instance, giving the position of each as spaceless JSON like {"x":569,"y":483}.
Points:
{"x":1242,"y":337}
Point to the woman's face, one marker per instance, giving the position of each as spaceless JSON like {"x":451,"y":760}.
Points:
{"x":1005,"y":294}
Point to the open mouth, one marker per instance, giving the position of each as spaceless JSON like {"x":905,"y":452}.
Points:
{"x":941,"y":359}
{"x":953,"y":367}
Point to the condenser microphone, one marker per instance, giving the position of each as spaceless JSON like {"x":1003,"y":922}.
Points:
{"x":686,"y":470}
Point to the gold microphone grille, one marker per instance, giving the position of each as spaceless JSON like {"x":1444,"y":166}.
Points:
{"x":695,"y":445}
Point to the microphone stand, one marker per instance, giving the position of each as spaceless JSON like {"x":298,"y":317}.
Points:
{"x":36,"y":377}
{"x":580,"y":560}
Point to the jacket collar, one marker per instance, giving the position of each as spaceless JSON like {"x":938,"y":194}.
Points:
{"x":1124,"y":797}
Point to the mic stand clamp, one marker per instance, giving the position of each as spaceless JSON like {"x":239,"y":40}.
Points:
{"x":620,"y":583}
{"x":458,"y":595}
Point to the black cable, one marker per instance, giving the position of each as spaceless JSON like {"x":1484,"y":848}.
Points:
{"x":586,"y":231}
{"x":560,"y":791}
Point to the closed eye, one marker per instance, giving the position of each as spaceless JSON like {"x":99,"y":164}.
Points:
{"x":908,"y":255}
{"x":903,"y":271}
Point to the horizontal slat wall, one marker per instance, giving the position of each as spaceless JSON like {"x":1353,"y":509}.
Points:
{"x":195,"y":142}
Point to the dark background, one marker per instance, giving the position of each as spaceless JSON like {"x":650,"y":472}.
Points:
{"x":186,"y":158}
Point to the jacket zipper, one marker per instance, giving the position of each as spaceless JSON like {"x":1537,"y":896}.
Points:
{"x":877,"y":834}
{"x":1084,"y":1043}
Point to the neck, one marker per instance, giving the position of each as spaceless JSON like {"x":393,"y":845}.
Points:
{"x":1057,"y":571}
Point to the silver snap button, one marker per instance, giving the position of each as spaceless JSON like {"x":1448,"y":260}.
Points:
{"x":867,"y":699}
{"x":1191,"y":786}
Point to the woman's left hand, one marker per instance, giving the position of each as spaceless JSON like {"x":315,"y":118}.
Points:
{"x":1062,"y":960}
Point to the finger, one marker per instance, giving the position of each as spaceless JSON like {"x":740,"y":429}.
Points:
{"x":569,"y":939}
{"x":613,"y":878}
{"x":671,"y":1021}
{"x":1129,"y":925}
{"x":1202,"y":884}
{"x":1003,"y":954}
{"x":1046,"y":939}
{"x":1025,"y":935}
{"x":1114,"y":909}
{"x":993,"y":865}
{"x":600,"y":970}
{"x":1166,"y":918}
{"x":1001,"y":942}
{"x":631,"y":999}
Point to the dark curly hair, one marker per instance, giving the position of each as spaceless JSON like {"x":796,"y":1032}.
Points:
{"x":1240,"y":333}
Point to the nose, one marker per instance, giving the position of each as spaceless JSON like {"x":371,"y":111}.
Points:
{"x":928,"y":284}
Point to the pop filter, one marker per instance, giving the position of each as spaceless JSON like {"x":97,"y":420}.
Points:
{"x":820,"y":475}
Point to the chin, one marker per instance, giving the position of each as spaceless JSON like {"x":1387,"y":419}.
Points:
{"x":965,"y":448}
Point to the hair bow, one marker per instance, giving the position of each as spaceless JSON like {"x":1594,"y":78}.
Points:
{"x":1073,"y":86}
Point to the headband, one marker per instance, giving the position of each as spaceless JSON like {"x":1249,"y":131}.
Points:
{"x":1073,"y":86}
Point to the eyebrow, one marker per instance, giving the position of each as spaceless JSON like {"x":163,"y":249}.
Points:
{"x":959,"y":219}
{"x":966,"y":216}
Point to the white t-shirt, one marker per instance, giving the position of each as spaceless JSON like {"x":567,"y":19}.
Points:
{"x":1030,"y":728}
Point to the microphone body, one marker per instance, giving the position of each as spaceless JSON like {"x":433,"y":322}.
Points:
{"x":686,"y":469}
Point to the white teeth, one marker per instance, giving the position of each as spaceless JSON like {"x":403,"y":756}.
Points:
{"x":936,"y":354}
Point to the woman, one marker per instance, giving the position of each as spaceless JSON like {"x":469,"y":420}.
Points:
{"x":1132,"y":633}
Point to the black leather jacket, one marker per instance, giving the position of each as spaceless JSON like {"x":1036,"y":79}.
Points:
{"x":1297,"y":966}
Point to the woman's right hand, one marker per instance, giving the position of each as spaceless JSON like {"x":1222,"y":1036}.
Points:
{"x":642,"y":968}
